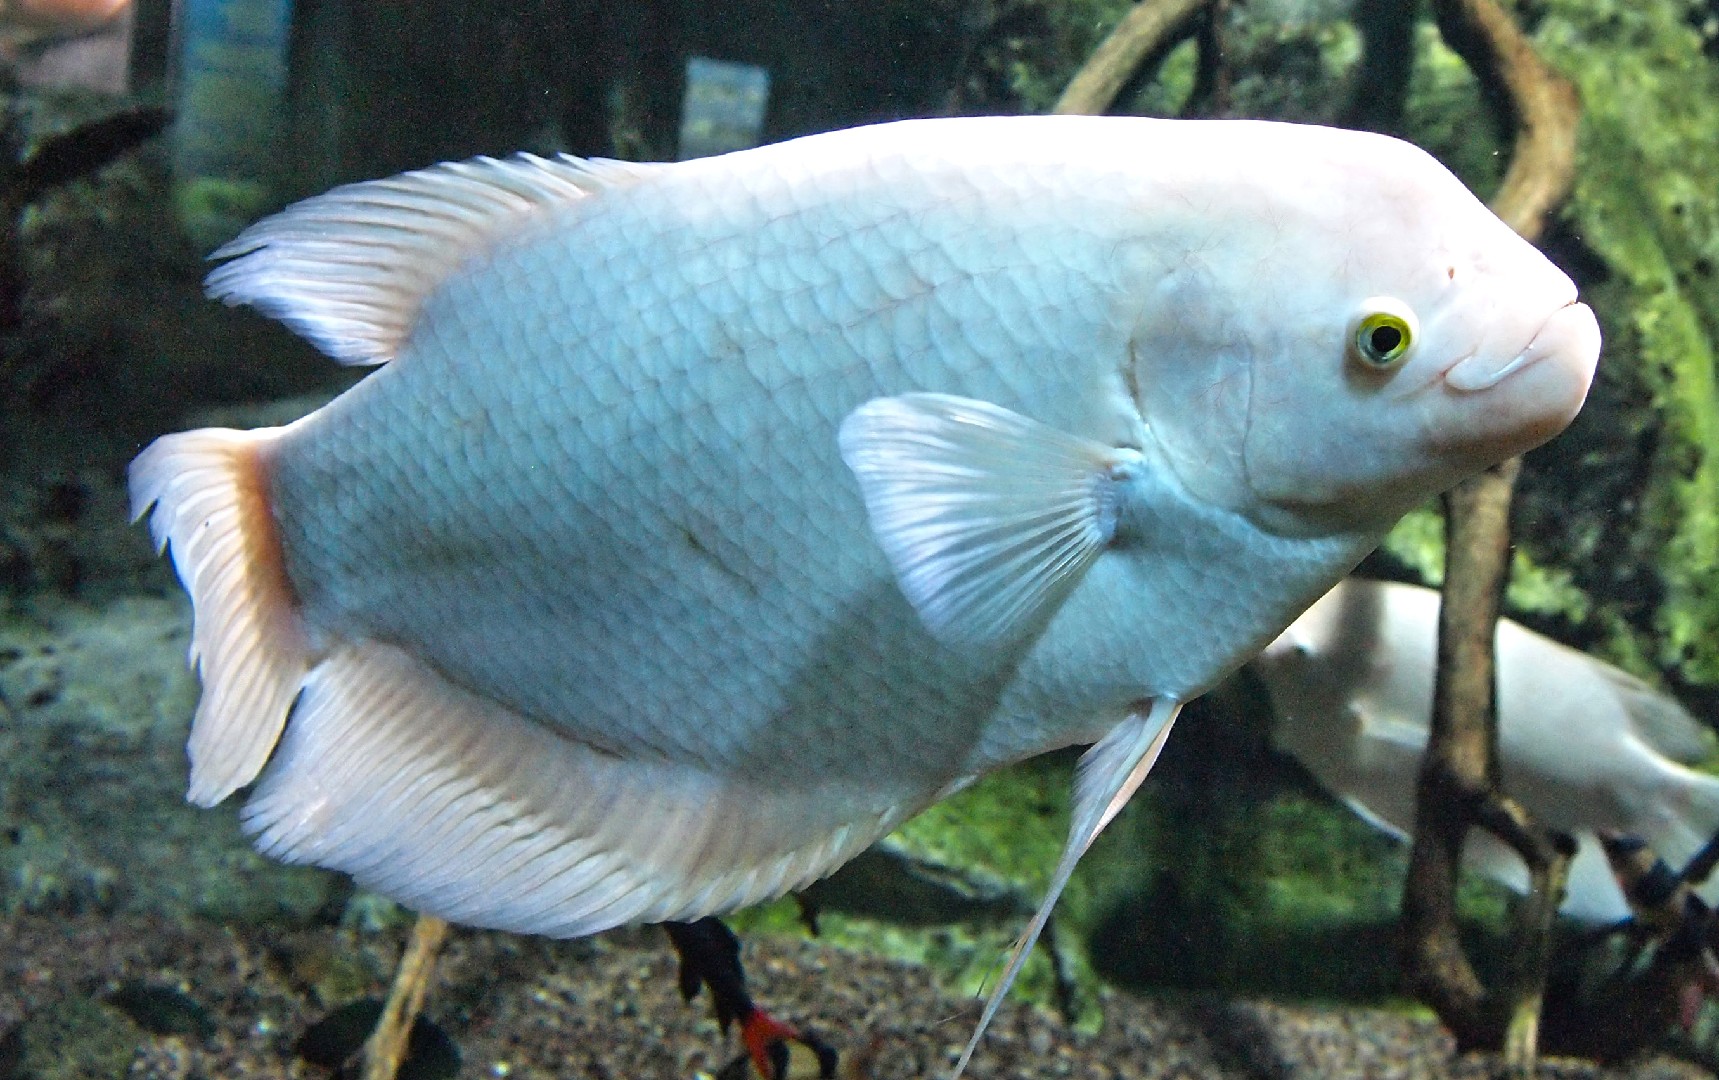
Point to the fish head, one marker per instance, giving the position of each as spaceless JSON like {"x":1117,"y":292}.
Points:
{"x":1372,"y":334}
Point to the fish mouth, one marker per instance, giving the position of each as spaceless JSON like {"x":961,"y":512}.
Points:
{"x":1570,"y":332}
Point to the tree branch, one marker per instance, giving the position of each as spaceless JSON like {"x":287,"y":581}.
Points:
{"x":1543,"y":105}
{"x":1458,"y":783}
{"x":1152,"y":22}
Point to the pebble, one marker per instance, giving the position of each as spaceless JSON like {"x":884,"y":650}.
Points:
{"x":613,"y":1010}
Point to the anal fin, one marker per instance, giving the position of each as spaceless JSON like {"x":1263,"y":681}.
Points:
{"x":1109,"y":774}
{"x":451,"y":803}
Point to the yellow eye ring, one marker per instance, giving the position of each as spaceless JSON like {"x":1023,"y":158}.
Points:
{"x":1384,"y":335}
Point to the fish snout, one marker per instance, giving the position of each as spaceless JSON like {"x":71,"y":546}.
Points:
{"x":1504,"y":402}
{"x":1571,"y":337}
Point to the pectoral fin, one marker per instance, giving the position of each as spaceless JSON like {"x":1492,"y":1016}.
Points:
{"x":988,"y":518}
{"x":1109,"y":774}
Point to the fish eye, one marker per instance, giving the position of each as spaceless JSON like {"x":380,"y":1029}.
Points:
{"x":1384,"y":332}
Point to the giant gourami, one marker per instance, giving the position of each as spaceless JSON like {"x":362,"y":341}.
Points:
{"x":1586,"y":747}
{"x":707,"y":520}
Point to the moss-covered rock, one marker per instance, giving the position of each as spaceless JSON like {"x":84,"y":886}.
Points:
{"x":77,"y":1039}
{"x":1004,"y":833}
{"x":93,"y":708}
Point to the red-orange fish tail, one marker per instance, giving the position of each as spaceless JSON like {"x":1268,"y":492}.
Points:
{"x":761,"y":1033}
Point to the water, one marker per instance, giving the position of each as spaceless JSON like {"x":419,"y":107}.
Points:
{"x":1233,"y":874}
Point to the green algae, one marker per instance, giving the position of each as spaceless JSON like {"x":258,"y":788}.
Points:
{"x":1007,"y":829}
{"x":1417,"y":542}
{"x":1443,"y":107}
{"x":1646,"y":205}
{"x":1647,"y":201}
{"x":211,"y":210}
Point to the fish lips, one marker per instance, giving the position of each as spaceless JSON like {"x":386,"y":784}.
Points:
{"x":1572,"y":334}
{"x":1498,"y":403}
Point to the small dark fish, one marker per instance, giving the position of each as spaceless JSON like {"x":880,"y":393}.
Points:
{"x":162,"y":1010}
{"x":335,"y":1040}
{"x":710,"y":957}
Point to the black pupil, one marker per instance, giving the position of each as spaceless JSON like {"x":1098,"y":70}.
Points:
{"x":1385,"y":340}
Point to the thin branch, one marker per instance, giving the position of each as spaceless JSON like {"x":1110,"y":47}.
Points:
{"x":388,"y":1044}
{"x":1152,"y":22}
{"x":1698,"y":870}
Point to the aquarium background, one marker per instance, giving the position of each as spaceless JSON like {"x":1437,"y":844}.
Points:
{"x":1235,"y":921}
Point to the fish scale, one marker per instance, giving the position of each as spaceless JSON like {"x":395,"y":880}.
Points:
{"x":706,"y":520}
{"x":654,"y":413}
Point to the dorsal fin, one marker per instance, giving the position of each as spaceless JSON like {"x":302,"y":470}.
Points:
{"x":1659,"y":719}
{"x":350,"y":270}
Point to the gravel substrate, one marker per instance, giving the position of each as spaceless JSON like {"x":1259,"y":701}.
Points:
{"x":608,"y":1009}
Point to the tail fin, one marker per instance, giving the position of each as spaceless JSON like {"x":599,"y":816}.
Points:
{"x":207,"y":502}
{"x":1684,"y":823}
{"x":1659,"y":720}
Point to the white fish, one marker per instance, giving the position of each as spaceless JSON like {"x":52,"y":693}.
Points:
{"x":1583,"y":745}
{"x":710,"y":519}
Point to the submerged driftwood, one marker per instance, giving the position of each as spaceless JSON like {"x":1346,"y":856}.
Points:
{"x":1458,"y":786}
{"x":59,"y":160}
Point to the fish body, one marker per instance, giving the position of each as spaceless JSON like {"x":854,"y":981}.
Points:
{"x":1586,"y":747}
{"x":707,"y":520}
